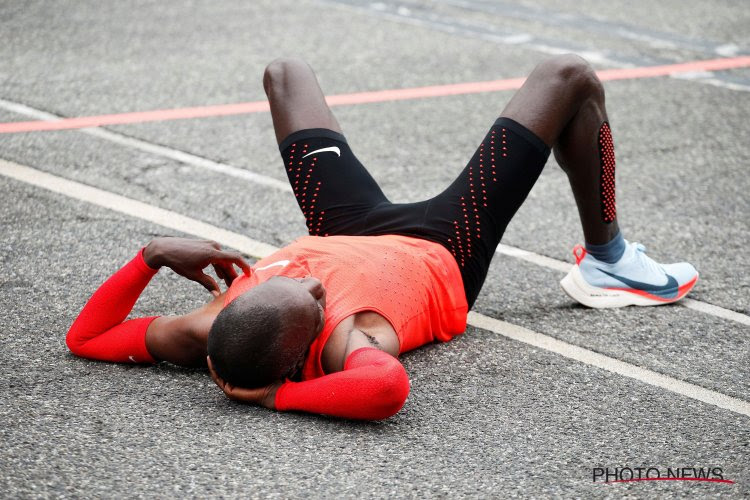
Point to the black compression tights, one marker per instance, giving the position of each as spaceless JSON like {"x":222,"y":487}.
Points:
{"x":339,"y":197}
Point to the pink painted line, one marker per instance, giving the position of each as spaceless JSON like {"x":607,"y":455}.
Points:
{"x":703,"y":479}
{"x":671,"y":69}
{"x":359,"y":97}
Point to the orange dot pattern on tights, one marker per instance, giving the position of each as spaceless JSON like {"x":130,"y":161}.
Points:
{"x":461,"y":244}
{"x":607,"y":176}
{"x":305,"y":192}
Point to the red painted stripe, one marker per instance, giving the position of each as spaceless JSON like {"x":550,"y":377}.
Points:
{"x":670,"y":69}
{"x":359,"y":97}
{"x":704,"y":479}
{"x":681,"y":291}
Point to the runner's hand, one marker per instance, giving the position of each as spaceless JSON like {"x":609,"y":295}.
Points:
{"x":188,"y":258}
{"x":262,"y":396}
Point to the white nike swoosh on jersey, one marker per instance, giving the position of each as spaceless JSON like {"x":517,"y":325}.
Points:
{"x":332,"y":149}
{"x":280,"y":263}
{"x":131,"y":358}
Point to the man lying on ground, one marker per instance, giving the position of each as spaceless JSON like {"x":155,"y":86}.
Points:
{"x":317,"y":326}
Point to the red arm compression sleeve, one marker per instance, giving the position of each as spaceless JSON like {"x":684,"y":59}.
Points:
{"x":99,"y":331}
{"x":373,"y":386}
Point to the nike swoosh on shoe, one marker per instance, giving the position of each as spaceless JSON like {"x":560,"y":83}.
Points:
{"x":667,"y":291}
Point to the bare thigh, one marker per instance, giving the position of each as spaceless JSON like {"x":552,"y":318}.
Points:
{"x":296,"y":100}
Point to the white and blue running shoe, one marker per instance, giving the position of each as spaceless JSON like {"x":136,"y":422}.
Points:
{"x":635,"y":279}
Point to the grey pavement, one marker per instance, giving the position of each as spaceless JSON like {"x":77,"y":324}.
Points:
{"x":486,"y":416}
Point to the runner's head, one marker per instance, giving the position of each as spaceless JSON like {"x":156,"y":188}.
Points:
{"x":264,"y":334}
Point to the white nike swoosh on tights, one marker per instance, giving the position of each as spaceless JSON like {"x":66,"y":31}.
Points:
{"x":280,"y":263}
{"x":332,"y":149}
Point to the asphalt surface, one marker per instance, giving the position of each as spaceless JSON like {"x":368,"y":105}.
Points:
{"x":486,"y":416}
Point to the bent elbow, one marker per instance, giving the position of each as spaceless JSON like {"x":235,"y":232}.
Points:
{"x":394,"y":391}
{"x":73,"y":340}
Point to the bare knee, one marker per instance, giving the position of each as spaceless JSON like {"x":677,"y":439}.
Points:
{"x":574,"y":72}
{"x":279,"y":71}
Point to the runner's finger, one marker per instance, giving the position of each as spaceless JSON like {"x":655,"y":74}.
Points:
{"x":220,"y":272}
{"x":236,"y":259}
{"x":242,"y":394}
{"x":208,"y":282}
{"x":228,"y":271}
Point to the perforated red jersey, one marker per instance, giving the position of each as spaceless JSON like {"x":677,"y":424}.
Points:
{"x":414,"y":283}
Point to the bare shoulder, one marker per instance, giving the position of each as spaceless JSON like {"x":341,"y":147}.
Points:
{"x":363,"y":329}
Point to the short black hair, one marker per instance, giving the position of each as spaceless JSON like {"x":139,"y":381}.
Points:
{"x":249,"y":345}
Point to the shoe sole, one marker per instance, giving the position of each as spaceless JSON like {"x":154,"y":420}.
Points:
{"x":602,"y":298}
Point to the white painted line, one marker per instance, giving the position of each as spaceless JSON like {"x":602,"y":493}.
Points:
{"x":713,"y":81}
{"x":25,"y":110}
{"x":134,"y":208}
{"x":534,"y":258}
{"x":727,"y":50}
{"x":472,"y":31}
{"x":544,"y":45}
{"x":189,"y":159}
{"x":713,"y":310}
{"x":263,"y":180}
{"x":592,"y":26}
{"x":613,"y":365}
{"x":155,"y":149}
{"x":258,"y":249}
